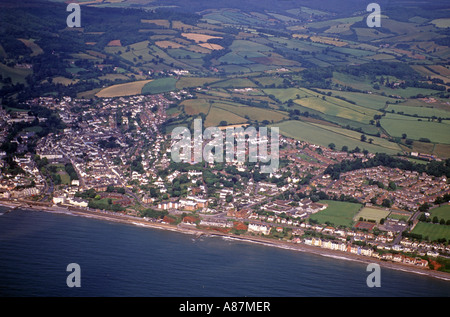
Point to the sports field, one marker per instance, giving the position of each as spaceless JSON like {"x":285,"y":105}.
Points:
{"x":442,"y":212}
{"x":369,"y":213}
{"x":432,"y":231}
{"x":338,"y":213}
{"x":400,"y":215}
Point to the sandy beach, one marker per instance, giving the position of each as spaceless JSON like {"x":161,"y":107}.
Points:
{"x":299,"y":247}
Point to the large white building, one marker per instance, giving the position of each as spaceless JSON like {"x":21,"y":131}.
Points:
{"x":259,"y":228}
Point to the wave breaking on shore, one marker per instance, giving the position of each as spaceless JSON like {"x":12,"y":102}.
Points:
{"x":198,"y":233}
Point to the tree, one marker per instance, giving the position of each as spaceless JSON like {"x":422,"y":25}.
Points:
{"x":439,"y":200}
{"x":332,"y":146}
{"x":386,"y":203}
{"x":363,"y":138}
{"x":422,"y":217}
{"x":435,"y":219}
{"x":424,"y":207}
{"x":392,"y":185}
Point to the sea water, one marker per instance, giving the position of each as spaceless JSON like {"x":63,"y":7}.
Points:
{"x":118,"y":259}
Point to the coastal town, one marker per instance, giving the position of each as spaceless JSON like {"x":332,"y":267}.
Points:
{"x":112,"y":156}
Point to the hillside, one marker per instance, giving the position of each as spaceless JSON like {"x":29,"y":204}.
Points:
{"x":310,"y":66}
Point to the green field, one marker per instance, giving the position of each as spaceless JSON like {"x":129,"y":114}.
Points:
{"x":188,"y":82}
{"x":324,"y":135}
{"x":136,"y":52}
{"x":217,"y":115}
{"x":182,"y":53}
{"x":289,"y":93}
{"x":432,"y":231}
{"x":234,"y":58}
{"x":159,"y":86}
{"x":338,"y":108}
{"x":235,"y":69}
{"x":370,"y":101}
{"x":419,"y":111}
{"x":337,"y":213}
{"x":267,"y":81}
{"x":248,"y":46}
{"x":441,"y":23}
{"x":126,"y":89}
{"x":196,"y":106}
{"x":396,"y":125}
{"x":298,"y":44}
{"x":364,"y":84}
{"x":235,"y":83}
{"x":442,"y":212}
{"x":60,"y":170}
{"x":368,"y":34}
{"x":17,"y":75}
{"x":399,"y":216}
{"x":253,"y":113}
{"x":335,"y":22}
{"x":372,"y":214}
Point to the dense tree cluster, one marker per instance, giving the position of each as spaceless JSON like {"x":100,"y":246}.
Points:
{"x":379,"y":68}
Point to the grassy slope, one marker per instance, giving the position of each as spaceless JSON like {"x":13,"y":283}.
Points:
{"x":323,"y":135}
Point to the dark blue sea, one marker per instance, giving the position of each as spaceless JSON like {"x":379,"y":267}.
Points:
{"x":118,"y":259}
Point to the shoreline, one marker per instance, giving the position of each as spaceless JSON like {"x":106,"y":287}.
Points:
{"x":298,"y":247}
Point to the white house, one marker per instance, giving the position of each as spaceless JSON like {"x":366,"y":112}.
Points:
{"x":259,"y":228}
